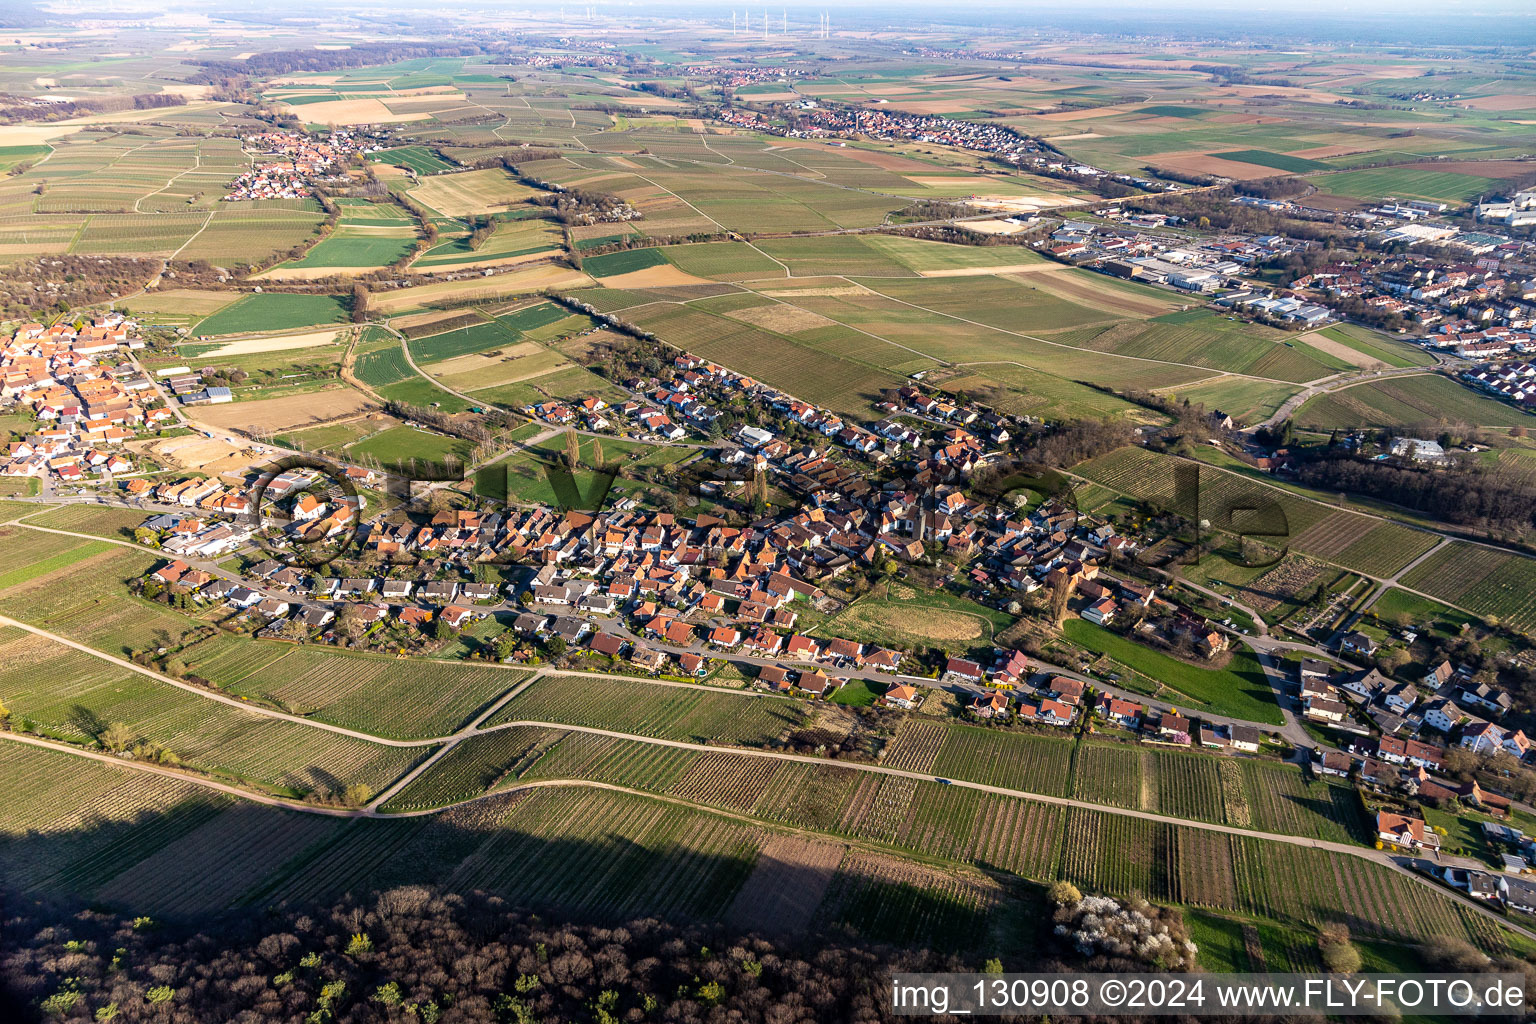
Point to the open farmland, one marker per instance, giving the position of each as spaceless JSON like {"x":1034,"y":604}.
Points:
{"x":693,"y":713}
{"x":469,"y":192}
{"x":272,"y":311}
{"x":1030,"y":763}
{"x":383,"y":696}
{"x":778,"y":209}
{"x":1228,"y":500}
{"x":418,"y":158}
{"x":1485,"y":581}
{"x":1415,"y":401}
{"x":801,"y":368}
{"x":229,"y":741}
{"x":1406,"y":183}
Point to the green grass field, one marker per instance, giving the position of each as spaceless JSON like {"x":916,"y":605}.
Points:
{"x":275,"y":311}
{"x":348,"y":250}
{"x":614,"y":263}
{"x":418,"y":158}
{"x":1239,"y":690}
{"x":1279,"y":161}
{"x":1407,"y":402}
{"x":1406,"y":183}
{"x":403,"y":443}
{"x":475,"y":338}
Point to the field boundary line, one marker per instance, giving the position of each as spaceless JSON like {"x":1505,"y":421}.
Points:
{"x":1364,"y":853}
{"x":258,"y":709}
{"x":181,"y":776}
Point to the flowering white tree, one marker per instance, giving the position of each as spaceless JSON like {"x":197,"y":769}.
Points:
{"x":1134,"y":929}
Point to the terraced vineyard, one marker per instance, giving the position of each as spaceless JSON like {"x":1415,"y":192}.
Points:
{"x":882,"y":899}
{"x":1235,"y":504}
{"x":1485,"y":581}
{"x":387,"y":697}
{"x":474,"y":766}
{"x":78,"y":697}
{"x":692,"y":713}
{"x":1108,"y":774}
{"x":1032,"y":763}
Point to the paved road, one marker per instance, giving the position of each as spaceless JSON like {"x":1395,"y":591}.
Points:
{"x":1335,"y":383}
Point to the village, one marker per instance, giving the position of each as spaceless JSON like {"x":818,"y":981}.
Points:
{"x":285,"y":163}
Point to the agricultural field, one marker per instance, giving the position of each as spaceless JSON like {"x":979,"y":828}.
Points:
{"x":1228,"y":500}
{"x":1406,"y":402}
{"x":603,"y":799}
{"x":1488,"y":582}
{"x":80,"y":698}
{"x":663,"y":711}
{"x":357,"y":242}
{"x":474,"y":766}
{"x":383,"y":366}
{"x":274,"y":311}
{"x":1406,"y":183}
{"x":468,"y":193}
{"x":1022,"y":761}
{"x":386,"y":697}
{"x":625,"y":262}
{"x":480,"y":337}
{"x":111,"y":523}
{"x":417,"y":158}
{"x":512,"y":240}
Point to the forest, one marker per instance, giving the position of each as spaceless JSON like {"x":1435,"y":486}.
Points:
{"x":1490,"y":499}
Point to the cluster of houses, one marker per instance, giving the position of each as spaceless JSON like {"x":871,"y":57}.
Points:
{"x":1463,"y":300}
{"x":286,"y":162}
{"x":1515,"y":382}
{"x":86,"y":403}
{"x":295,"y":601}
{"x":1417,"y":722}
{"x":815,"y":121}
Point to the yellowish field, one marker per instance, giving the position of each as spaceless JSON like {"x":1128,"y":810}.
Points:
{"x":276,"y":343}
{"x":281,"y":413}
{"x":653,"y":277}
{"x":519,"y":282}
{"x":352,"y":112}
{"x":1323,"y":343}
{"x":782,"y":318}
{"x":179,"y":300}
{"x":469,"y":192}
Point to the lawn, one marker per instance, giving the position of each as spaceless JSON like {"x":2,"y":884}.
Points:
{"x":275,"y":311}
{"x":901,"y":616}
{"x":858,"y":693}
{"x":402,"y":443}
{"x":1240,"y":690}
